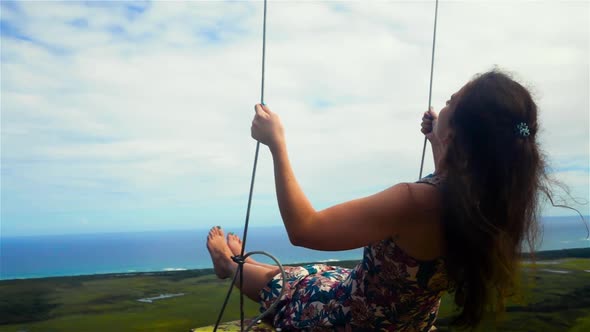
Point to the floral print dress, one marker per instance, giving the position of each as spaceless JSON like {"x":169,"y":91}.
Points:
{"x":387,"y":291}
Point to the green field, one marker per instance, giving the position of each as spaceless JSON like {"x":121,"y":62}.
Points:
{"x":552,"y":301}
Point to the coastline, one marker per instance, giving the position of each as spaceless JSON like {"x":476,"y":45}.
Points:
{"x":35,"y":257}
{"x":526,"y":258}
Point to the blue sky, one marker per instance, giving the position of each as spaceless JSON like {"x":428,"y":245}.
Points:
{"x":132,"y":116}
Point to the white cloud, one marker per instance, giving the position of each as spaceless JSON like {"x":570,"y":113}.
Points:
{"x":158,"y":107}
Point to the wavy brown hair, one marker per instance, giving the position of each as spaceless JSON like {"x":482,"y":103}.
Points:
{"x":494,"y":178}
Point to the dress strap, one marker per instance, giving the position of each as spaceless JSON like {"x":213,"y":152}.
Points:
{"x":432,"y":179}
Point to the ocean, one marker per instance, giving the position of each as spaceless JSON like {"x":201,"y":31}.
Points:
{"x":67,"y":255}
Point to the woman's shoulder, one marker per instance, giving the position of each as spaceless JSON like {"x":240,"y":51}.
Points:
{"x":422,"y":237}
{"x":423,"y":195}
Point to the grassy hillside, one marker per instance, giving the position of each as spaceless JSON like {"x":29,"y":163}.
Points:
{"x":552,"y":301}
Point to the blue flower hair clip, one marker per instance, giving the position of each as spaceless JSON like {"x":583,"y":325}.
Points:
{"x":522,"y":129}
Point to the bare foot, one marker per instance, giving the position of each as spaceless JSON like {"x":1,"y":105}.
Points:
{"x":235,"y":245}
{"x":220,"y":253}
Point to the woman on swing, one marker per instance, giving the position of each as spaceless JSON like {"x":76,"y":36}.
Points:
{"x":458,"y":230}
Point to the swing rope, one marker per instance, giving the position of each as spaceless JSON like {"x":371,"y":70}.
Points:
{"x":241,"y":259}
{"x":430,"y":88}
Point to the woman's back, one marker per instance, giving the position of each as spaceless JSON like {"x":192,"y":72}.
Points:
{"x":393,"y":291}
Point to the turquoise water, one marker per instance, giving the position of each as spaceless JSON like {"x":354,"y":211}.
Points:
{"x":44,"y":256}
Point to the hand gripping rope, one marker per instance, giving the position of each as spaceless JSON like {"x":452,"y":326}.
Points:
{"x":430,"y":88}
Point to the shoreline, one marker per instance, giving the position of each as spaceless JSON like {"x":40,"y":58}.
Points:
{"x":526,"y":257}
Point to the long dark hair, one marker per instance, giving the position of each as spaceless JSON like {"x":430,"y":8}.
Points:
{"x":495,"y":174}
